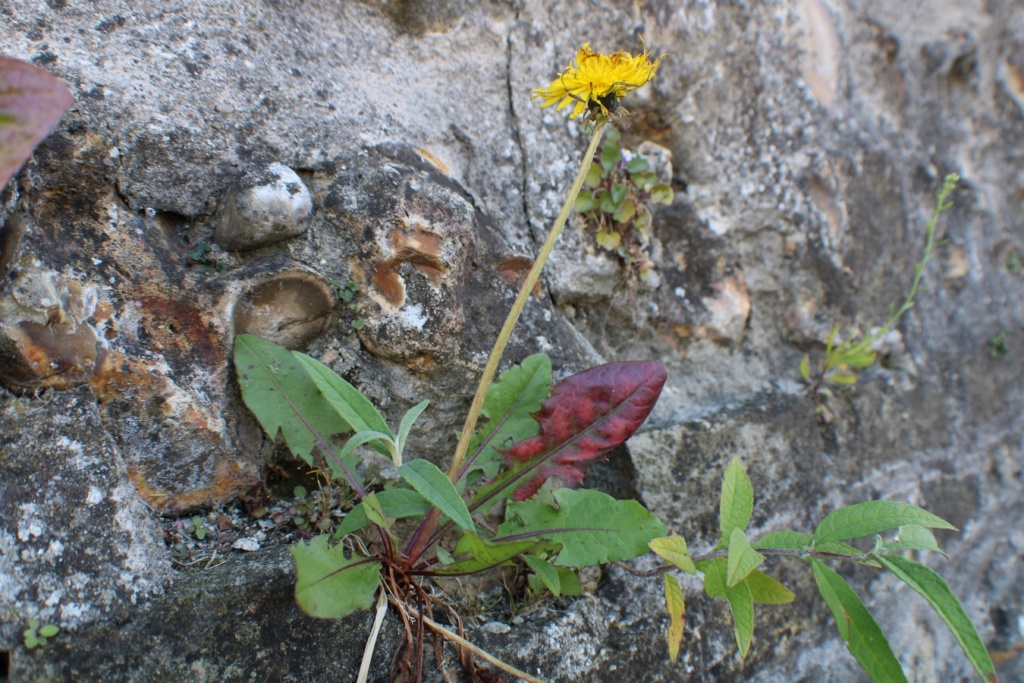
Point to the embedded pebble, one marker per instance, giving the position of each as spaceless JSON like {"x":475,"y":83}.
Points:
{"x":248,"y":544}
{"x":266,"y":208}
{"x":496,"y":627}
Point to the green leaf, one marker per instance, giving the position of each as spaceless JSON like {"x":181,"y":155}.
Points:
{"x":677,"y":615}
{"x":374,"y":512}
{"x":618,"y":193}
{"x":913,"y":537}
{"x":805,"y":368}
{"x":609,"y":239}
{"x":435,"y":486}
{"x":408,"y":420}
{"x":31,"y":641}
{"x":591,"y":526}
{"x":508,"y":407}
{"x":662,"y":194}
{"x":611,"y":154}
{"x":546,"y":572}
{"x":478,"y":555}
{"x":285,"y":400}
{"x":844,"y":378}
{"x":352,"y":406}
{"x":794,"y":540}
{"x":739,"y":597}
{"x":874,"y":517}
{"x":330,"y":585}
{"x":936,"y":591}
{"x":569,"y":581}
{"x":742,"y":558}
{"x":396,"y":504}
{"x":357,"y":440}
{"x":857,"y":627}
{"x":737,"y":502}
{"x":861,"y":359}
{"x":767,"y":591}
{"x":594,"y":175}
{"x":443,"y":556}
{"x":49,"y":631}
{"x":585,"y":199}
{"x":673,"y":550}
{"x":637,"y":164}
{"x":607,"y":202}
{"x":34,"y":623}
{"x":644,"y":180}
{"x":625,"y":212}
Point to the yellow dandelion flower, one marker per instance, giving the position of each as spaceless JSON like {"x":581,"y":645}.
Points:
{"x":597,"y":82}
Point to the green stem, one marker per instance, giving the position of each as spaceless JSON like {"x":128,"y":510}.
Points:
{"x":517,"y":307}
{"x":424,"y":533}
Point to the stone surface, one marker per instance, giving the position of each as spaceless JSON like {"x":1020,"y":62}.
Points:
{"x":807,"y":139}
{"x":269,"y":207}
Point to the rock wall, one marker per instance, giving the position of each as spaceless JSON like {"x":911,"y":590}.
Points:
{"x":237,"y":165}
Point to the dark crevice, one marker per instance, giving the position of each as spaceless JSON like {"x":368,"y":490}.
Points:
{"x":515,"y":121}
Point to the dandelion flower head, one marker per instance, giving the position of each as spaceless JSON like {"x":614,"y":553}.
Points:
{"x":596,"y":82}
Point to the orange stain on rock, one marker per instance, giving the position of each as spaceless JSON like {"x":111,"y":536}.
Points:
{"x":230,"y":480}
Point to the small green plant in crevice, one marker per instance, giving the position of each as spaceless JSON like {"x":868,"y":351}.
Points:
{"x":347,"y":293}
{"x":512,"y":493}
{"x":845,"y":357}
{"x":998,"y":346}
{"x":616,"y":201}
{"x":38,"y":634}
{"x":732,"y":570}
{"x":196,"y":527}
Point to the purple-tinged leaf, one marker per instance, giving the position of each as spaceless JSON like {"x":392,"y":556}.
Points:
{"x":31,"y":103}
{"x":586,"y":416}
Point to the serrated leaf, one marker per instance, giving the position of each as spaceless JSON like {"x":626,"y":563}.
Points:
{"x":742,"y":558}
{"x":677,"y":615}
{"x":434,"y":485}
{"x":408,"y":420}
{"x":805,"y":368}
{"x":31,"y":103}
{"x":396,"y":504}
{"x":331,"y":585}
{"x":767,"y":591}
{"x":913,"y":537}
{"x":857,"y":627}
{"x":737,"y":502}
{"x":508,"y":407}
{"x":591,"y":526}
{"x":739,"y":597}
{"x":673,"y":549}
{"x":585,"y":199}
{"x":662,"y":194}
{"x":286,"y":400}
{"x":473,"y":554}
{"x":936,"y":591}
{"x":874,"y":517}
{"x":586,"y":416}
{"x":546,"y":572}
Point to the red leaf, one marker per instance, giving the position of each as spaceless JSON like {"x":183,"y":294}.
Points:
{"x":31,"y":103}
{"x":586,"y":416}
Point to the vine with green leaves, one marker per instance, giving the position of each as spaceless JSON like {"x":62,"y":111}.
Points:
{"x":512,"y":496}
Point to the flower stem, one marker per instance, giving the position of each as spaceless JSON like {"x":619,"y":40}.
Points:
{"x":423,"y":534}
{"x":513,"y":316}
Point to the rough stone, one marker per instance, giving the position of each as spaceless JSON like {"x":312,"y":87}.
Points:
{"x":270,"y":207}
{"x":807,"y":140}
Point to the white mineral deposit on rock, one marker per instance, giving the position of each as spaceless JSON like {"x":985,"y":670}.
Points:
{"x":276,"y":208}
